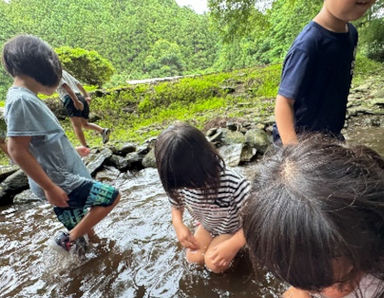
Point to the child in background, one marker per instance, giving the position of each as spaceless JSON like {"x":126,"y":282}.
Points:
{"x":315,"y":219}
{"x":3,"y":132}
{"x":317,"y":73}
{"x":38,"y":144}
{"x":195,"y":177}
{"x":76,"y":102}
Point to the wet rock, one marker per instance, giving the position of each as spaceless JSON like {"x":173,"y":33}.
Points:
{"x":378,"y":101}
{"x":217,"y":138}
{"x":118,"y":162}
{"x":96,"y":159}
{"x":25,"y":197}
{"x":149,"y":161}
{"x":248,"y":153}
{"x":134,"y":161}
{"x":258,"y":139}
{"x":231,"y":154}
{"x":12,"y":185}
{"x":232,"y":126}
{"x":233,"y":137}
{"x":108,"y":174}
{"x":143,"y":149}
{"x":211,"y":132}
{"x":354,"y":111}
{"x":379,"y":94}
{"x":6,"y":171}
{"x":125,"y":149}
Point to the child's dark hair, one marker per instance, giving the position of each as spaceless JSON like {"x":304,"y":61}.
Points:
{"x":313,"y":203}
{"x":29,"y":55}
{"x":185,"y":159}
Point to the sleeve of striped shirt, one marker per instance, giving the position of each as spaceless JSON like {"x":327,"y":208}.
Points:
{"x":241,"y":193}
{"x":177,"y":204}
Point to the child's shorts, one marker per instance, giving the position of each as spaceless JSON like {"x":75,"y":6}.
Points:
{"x":72,"y":111}
{"x":89,"y":194}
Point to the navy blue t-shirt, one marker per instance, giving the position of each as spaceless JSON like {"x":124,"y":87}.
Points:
{"x":317,"y":75}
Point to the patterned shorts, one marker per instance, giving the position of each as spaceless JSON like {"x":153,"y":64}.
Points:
{"x":89,"y":194}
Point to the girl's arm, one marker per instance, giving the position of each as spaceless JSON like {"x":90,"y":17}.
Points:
{"x":84,"y":92}
{"x":18,"y":148}
{"x":76,"y":102}
{"x":295,"y":293}
{"x":226,"y":250}
{"x":183,"y":234}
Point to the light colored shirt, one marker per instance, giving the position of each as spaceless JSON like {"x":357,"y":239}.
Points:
{"x":219,"y":214}
{"x":70,"y":81}
{"x":27,"y":115}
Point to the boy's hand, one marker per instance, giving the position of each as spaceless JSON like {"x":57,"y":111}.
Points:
{"x":83,"y":151}
{"x":57,"y":196}
{"x":186,"y":238}
{"x":78,"y":105}
{"x":223,"y":254}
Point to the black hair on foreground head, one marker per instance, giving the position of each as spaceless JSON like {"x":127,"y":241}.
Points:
{"x":29,"y":55}
{"x":314,"y":203}
{"x":185,"y":158}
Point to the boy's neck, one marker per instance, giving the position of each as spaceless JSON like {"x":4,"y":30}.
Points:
{"x":329,"y":22}
{"x":26,"y":82}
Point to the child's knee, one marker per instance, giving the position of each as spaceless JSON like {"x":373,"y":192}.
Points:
{"x":194,"y":256}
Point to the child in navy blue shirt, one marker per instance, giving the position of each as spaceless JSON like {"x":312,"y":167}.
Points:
{"x":317,"y":73}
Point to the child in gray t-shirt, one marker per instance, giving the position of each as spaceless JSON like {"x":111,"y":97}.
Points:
{"x":38,"y":144}
{"x":76,"y":101}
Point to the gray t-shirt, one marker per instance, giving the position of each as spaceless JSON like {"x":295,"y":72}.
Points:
{"x":27,"y":115}
{"x":71,"y":82}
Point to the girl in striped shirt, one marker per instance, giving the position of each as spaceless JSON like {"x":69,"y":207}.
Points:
{"x":195,"y":178}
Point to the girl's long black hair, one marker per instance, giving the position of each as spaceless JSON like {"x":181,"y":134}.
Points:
{"x":314,"y":203}
{"x":185,"y":159}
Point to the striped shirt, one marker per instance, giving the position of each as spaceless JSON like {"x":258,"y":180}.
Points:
{"x":220,"y":213}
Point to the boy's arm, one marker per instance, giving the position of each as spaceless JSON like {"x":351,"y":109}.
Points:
{"x":76,"y":102}
{"x":84,"y":92}
{"x":295,"y":293}
{"x":285,"y":119}
{"x":183,"y":234}
{"x":18,"y":148}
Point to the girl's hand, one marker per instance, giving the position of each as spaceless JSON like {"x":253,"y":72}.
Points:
{"x":57,"y":196}
{"x":295,"y":293}
{"x":222,"y":255}
{"x":83,"y":151}
{"x":186,"y":238}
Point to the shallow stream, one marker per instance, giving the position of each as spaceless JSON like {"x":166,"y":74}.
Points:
{"x":138,"y":255}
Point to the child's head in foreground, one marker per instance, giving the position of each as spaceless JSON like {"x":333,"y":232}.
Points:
{"x":185,"y":159}
{"x":315,"y":216}
{"x":29,"y":57}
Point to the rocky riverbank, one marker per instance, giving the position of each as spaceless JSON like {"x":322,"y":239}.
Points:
{"x":239,"y":141}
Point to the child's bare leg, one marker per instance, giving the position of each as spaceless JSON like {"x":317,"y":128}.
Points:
{"x":92,"y":126}
{"x":77,"y":127}
{"x":94,"y":215}
{"x":203,"y":238}
{"x":212,"y":249}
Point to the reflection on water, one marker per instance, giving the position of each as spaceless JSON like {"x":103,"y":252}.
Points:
{"x":138,"y":255}
{"x":370,"y":136}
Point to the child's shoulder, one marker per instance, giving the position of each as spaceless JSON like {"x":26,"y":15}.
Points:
{"x":20,"y":94}
{"x":309,"y":37}
{"x":231,"y":175}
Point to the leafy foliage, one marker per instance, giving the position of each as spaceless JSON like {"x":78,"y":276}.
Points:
{"x":87,"y":66}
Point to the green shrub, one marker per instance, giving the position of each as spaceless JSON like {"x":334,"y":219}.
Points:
{"x":87,"y":66}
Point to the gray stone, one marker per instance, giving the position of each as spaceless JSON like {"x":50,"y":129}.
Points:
{"x":143,"y":149}
{"x":118,"y":162}
{"x":108,"y":174}
{"x":96,"y":159}
{"x":232,"y":126}
{"x":125,"y":149}
{"x":379,"y":94}
{"x":248,"y":153}
{"x":233,"y":137}
{"x":211,"y":132}
{"x":26,"y":196}
{"x":258,"y":139}
{"x":134,"y":160}
{"x":217,"y":138}
{"x":12,"y":185}
{"x":6,"y":171}
{"x":231,"y":154}
{"x":149,"y":161}
{"x":378,"y":101}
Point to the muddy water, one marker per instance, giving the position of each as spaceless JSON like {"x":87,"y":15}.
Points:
{"x":137,"y":256}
